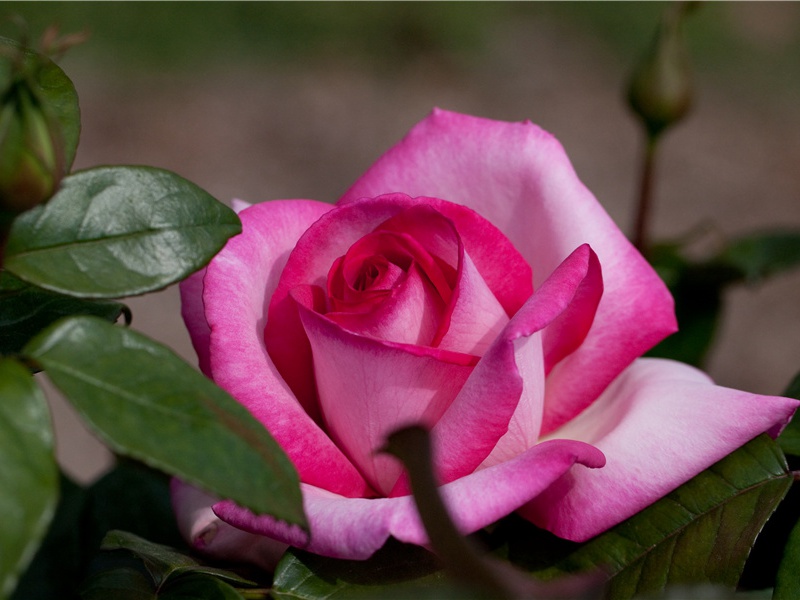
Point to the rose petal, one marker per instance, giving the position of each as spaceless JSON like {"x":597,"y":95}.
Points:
{"x":659,"y":424}
{"x":208,"y":534}
{"x":235,"y":308}
{"x":519,"y":178}
{"x":330,"y":238}
{"x":239,"y":205}
{"x":355,"y":528}
{"x":509,"y":378}
{"x":193,"y":312}
{"x":475,"y":316}
{"x":409,"y":315}
{"x":369,"y":388}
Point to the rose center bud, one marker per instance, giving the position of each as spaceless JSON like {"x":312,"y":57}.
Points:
{"x":388,"y":286}
{"x":371,"y":271}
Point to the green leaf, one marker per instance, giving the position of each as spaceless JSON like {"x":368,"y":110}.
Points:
{"x":26,"y":309}
{"x":762,"y":255}
{"x":28,"y":473}
{"x":58,"y":567}
{"x":787,"y":581}
{"x":396,"y":570}
{"x":54,"y":89}
{"x":164,"y":563}
{"x":128,"y":583}
{"x":198,"y":587}
{"x":701,"y":532}
{"x":697,"y":289}
{"x":120,"y":584}
{"x":790,"y":436}
{"x":118,"y":231}
{"x":147,"y":403}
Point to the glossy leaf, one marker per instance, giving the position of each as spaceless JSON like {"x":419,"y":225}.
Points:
{"x":701,"y":532}
{"x":28,"y":473}
{"x":118,"y":231}
{"x":26,"y":309}
{"x":54,"y":89}
{"x":147,"y":403}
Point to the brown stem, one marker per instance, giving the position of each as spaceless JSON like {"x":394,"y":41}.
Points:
{"x":412,"y":445}
{"x":640,"y":231}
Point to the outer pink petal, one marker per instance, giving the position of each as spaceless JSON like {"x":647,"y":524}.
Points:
{"x":355,"y":528}
{"x":368,"y":388}
{"x":194,"y":316}
{"x":519,"y":178}
{"x":237,"y":287}
{"x":208,"y":534}
{"x":659,"y":424}
{"x":509,"y":377}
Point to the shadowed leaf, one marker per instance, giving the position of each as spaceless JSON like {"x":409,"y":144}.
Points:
{"x":28,"y":473}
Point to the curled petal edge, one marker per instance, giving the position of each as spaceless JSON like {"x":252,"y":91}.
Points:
{"x":354,"y":528}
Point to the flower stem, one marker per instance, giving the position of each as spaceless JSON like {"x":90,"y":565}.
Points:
{"x":640,"y":231}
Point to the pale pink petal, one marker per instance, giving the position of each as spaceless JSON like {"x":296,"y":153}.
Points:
{"x":194,"y":316}
{"x":192,"y":309}
{"x":509,"y":378}
{"x":558,"y":338}
{"x":369,"y":388}
{"x":239,"y":205}
{"x":215,"y":538}
{"x":476,"y":318}
{"x":237,"y":287}
{"x":355,"y":528}
{"x":659,"y":424}
{"x":519,"y":178}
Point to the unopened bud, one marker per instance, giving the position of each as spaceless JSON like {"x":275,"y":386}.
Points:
{"x":660,"y":90}
{"x":31,"y":147}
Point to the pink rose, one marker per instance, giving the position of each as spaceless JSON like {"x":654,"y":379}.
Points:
{"x":470,"y":282}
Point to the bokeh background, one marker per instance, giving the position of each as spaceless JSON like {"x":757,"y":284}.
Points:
{"x":295,"y":100}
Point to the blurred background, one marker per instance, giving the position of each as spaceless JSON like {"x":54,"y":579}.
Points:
{"x":295,"y":100}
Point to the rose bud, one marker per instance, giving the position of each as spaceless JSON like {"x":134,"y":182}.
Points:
{"x":660,"y":90}
{"x":31,"y":164}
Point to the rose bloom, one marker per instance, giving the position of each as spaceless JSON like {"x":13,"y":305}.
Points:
{"x":468,"y":282}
